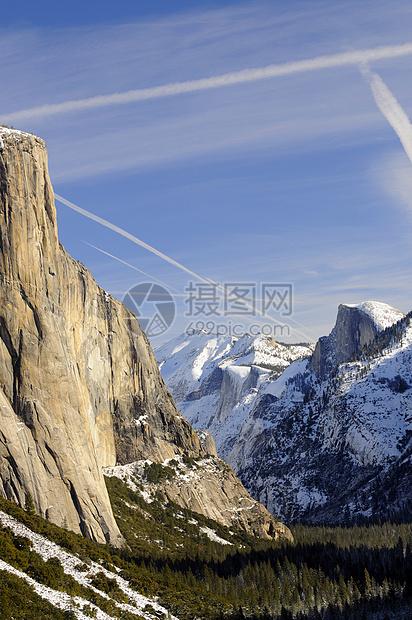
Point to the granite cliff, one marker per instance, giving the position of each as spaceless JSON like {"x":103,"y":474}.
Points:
{"x":355,"y":328}
{"x":79,"y":385}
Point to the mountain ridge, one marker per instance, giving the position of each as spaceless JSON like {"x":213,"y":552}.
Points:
{"x":326,"y":440}
{"x":210,"y":376}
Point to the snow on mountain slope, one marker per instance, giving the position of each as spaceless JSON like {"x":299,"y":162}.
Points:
{"x":185,"y":361}
{"x":74,"y":566}
{"x":216,"y":380}
{"x":382,"y":314}
{"x":380,"y":403}
{"x":325,"y":448}
{"x":325,"y":438}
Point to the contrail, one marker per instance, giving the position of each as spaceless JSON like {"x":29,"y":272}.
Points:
{"x":124,"y":233}
{"x":390,"y":108}
{"x":228,"y":79}
{"x":166,"y":258}
{"x":120,"y":260}
{"x":176,"y":292}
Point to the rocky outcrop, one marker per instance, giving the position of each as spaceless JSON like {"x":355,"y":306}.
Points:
{"x":207,"y":442}
{"x":218,"y":494}
{"x":79,"y":385}
{"x":80,"y":388}
{"x":207,"y":486}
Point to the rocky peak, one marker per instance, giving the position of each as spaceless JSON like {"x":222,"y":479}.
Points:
{"x":207,"y":441}
{"x":355,"y":327}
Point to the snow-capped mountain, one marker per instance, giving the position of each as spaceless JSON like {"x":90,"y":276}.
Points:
{"x":355,"y":327}
{"x":327,"y":439}
{"x":216,"y":380}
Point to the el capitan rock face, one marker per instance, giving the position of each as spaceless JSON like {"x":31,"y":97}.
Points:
{"x":80,"y":388}
{"x":79,"y":384}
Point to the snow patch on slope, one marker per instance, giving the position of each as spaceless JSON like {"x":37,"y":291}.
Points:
{"x":211,"y":534}
{"x":277,"y":387}
{"x":14,"y":134}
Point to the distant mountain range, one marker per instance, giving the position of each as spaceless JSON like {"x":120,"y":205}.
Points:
{"x":319,"y":434}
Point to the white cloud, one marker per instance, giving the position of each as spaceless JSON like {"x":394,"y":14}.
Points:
{"x":394,"y":175}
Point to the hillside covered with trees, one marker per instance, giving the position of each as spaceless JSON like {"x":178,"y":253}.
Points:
{"x":199,"y":570}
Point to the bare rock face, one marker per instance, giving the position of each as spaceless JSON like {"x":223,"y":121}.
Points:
{"x":80,"y":388}
{"x":355,"y":327}
{"x":217,"y":493}
{"x":79,"y":385}
{"x":207,"y":441}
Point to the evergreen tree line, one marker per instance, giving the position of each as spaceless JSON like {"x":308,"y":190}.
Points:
{"x":325,"y":573}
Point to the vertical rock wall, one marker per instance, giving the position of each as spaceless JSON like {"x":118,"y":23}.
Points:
{"x":79,"y":385}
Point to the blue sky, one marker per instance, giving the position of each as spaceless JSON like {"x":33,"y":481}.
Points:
{"x":292,"y":179}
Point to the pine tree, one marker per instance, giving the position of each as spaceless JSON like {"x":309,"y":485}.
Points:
{"x":29,"y":506}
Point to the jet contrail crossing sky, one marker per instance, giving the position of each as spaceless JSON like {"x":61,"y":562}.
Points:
{"x":120,"y":260}
{"x":390,"y":108}
{"x":228,"y":79}
{"x":166,"y":258}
